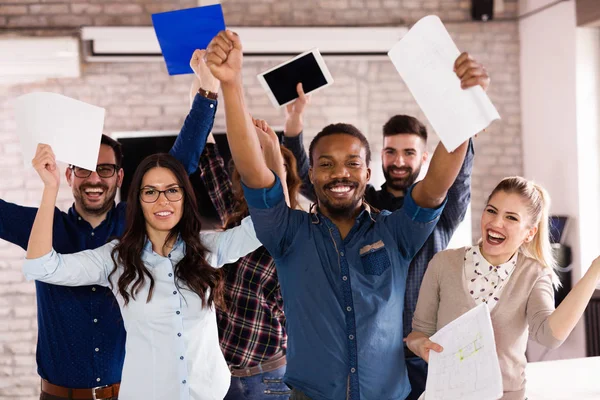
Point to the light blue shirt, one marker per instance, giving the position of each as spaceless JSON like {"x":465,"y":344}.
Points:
{"x":172,"y":346}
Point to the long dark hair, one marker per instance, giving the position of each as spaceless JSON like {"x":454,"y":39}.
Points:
{"x":193,"y":269}
{"x":240,"y":208}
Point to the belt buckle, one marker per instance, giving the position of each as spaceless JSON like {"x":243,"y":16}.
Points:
{"x":94,"y":392}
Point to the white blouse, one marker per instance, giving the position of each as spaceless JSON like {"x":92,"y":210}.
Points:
{"x":172,"y":346}
{"x":484,"y":280}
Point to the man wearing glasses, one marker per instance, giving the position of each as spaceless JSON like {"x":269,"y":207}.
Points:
{"x":95,"y":193}
{"x":81,"y":338}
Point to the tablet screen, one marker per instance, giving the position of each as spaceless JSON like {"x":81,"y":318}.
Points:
{"x":283,"y":80}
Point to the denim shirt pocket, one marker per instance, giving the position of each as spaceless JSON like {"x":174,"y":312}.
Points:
{"x":374,"y":258}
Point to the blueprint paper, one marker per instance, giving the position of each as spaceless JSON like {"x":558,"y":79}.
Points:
{"x":181,"y":32}
{"x":73,"y":128}
{"x":425,"y":58}
{"x":468,"y":367}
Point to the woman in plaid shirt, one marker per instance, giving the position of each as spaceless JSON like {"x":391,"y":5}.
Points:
{"x":252,"y":328}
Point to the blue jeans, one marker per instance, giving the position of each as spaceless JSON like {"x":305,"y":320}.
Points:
{"x":417,"y":375}
{"x":265,"y":386}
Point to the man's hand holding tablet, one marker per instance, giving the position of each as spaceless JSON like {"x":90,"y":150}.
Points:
{"x":281,"y":82}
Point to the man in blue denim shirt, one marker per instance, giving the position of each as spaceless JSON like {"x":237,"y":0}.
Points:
{"x":403,"y":154}
{"x":81,"y":338}
{"x":342,"y":268}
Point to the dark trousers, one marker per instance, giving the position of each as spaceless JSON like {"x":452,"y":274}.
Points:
{"x":417,"y":375}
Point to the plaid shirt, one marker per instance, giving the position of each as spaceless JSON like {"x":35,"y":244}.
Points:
{"x":459,"y":197}
{"x":252,"y":329}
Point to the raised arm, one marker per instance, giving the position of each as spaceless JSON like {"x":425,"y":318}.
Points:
{"x":459,"y":196}
{"x":445,"y":166}
{"x":567,"y":314}
{"x":224,"y":57}
{"x":213,"y":171}
{"x":293,"y":140}
{"x":199,"y":122}
{"x":269,"y":143}
{"x":42,"y":263}
{"x":40,"y":239}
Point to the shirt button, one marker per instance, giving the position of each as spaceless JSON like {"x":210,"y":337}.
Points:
{"x":78,"y":218}
{"x":97,"y":379}
{"x":169,"y":256}
{"x":93,"y":289}
{"x":183,"y":381}
{"x":348,"y":309}
{"x":174,"y":292}
{"x":212,"y":106}
{"x":181,"y":358}
{"x":170,"y":274}
{"x":97,"y":349}
{"x":344,"y":278}
{"x":179,"y":334}
{"x":92,"y":233}
{"x":353,"y":370}
{"x":95,"y":320}
{"x":342,"y":253}
{"x":351,"y":337}
{"x":177,"y":312}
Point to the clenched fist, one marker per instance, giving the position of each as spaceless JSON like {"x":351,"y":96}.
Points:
{"x":44,"y":163}
{"x":224,"y":57}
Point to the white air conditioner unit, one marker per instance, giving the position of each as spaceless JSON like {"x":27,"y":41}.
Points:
{"x":140,"y":44}
{"x":30,"y":59}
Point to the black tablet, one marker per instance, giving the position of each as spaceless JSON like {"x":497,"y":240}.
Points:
{"x":308,"y":68}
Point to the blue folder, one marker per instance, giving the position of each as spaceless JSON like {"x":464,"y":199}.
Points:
{"x":181,"y":32}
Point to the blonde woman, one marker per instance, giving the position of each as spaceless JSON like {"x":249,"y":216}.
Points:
{"x":512,"y":271}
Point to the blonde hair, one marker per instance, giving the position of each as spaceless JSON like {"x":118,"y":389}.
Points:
{"x":538,"y":201}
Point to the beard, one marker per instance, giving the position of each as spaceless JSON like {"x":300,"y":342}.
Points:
{"x":341,"y":210}
{"x":400,"y":183}
{"x":96,"y":208}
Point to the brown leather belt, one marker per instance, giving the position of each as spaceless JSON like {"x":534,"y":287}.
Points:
{"x":97,"y":393}
{"x":274,"y":363}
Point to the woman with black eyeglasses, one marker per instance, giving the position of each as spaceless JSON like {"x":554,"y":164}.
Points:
{"x":162,"y":272}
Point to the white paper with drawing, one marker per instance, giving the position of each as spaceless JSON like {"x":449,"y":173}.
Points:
{"x":73,"y":128}
{"x":467,"y":368}
{"x":425,"y":58}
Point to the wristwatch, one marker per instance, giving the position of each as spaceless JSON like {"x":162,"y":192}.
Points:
{"x":208,"y":94}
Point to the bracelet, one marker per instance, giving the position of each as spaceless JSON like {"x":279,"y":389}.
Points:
{"x":208,"y":94}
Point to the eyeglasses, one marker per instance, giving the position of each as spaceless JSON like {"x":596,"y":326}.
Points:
{"x":150,"y":195}
{"x":103,"y":171}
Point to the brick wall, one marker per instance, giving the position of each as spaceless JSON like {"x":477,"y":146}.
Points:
{"x":142,"y":96}
{"x":74,"y":13}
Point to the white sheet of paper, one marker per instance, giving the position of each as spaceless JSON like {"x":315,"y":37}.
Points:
{"x":73,"y":128}
{"x":468,"y":367}
{"x":425,"y":58}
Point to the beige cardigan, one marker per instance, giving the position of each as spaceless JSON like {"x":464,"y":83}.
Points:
{"x":527,"y":301}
